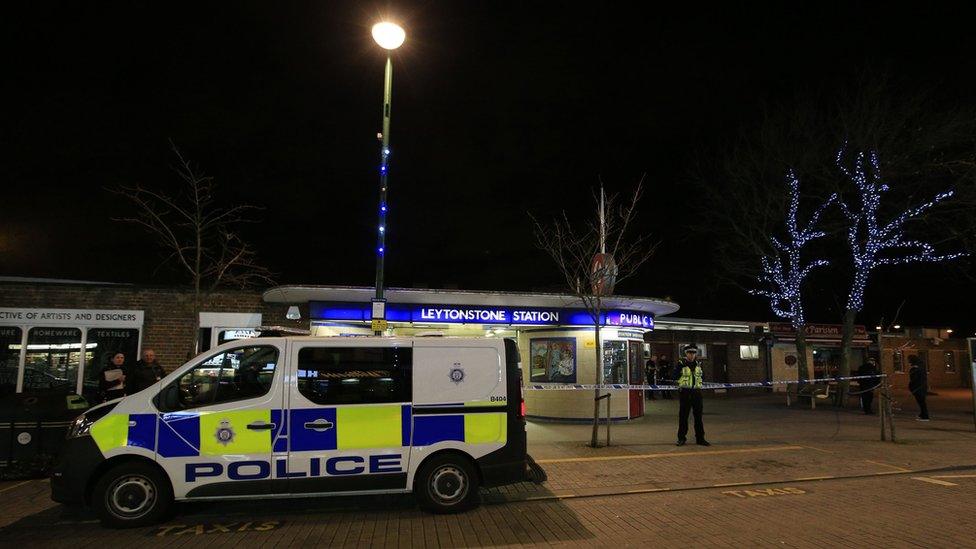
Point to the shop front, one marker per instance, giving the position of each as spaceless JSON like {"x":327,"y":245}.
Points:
{"x":823,"y":350}
{"x":63,"y":350}
{"x":556,"y":337}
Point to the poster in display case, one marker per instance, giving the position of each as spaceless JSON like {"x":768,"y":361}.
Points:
{"x":553,"y":359}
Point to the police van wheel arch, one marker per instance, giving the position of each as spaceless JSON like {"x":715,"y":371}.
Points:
{"x":131,"y":494}
{"x":447,"y":482}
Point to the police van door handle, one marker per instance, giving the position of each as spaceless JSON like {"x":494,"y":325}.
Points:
{"x":319,"y":425}
{"x":260,"y":426}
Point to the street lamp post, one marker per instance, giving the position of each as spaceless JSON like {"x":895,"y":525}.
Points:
{"x":389,"y":36}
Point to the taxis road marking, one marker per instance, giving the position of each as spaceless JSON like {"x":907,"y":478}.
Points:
{"x":935,"y":481}
{"x":671,"y":454}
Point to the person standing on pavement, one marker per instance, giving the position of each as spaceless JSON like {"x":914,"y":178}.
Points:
{"x":664,"y":375}
{"x":918,"y":384}
{"x":112,"y":382}
{"x":146,"y":372}
{"x":867,"y":386}
{"x":650,"y":375}
{"x":688,"y":373}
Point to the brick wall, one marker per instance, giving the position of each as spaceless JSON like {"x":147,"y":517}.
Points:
{"x":933,"y":354}
{"x":739,"y":370}
{"x":170,"y":319}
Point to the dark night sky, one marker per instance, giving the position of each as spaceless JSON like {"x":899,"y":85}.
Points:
{"x":499,"y":109}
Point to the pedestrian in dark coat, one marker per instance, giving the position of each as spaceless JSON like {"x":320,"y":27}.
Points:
{"x":867,"y":386}
{"x":918,"y":384}
{"x":112,"y":381}
{"x":650,"y":375}
{"x":664,"y":375}
{"x":146,"y":372}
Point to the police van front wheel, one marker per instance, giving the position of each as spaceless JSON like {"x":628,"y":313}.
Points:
{"x":447,"y":484}
{"x":132,"y":495}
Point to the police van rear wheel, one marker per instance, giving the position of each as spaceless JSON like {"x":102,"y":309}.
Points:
{"x":132,"y":495}
{"x":447,"y":484}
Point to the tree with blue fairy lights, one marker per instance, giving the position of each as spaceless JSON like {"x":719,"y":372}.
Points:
{"x":874,"y":242}
{"x":784,"y":270}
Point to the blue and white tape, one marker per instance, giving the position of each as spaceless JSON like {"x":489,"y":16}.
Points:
{"x":626,"y":386}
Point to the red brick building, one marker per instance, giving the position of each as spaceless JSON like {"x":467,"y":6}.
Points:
{"x":946,"y":358}
{"x":46,"y":323}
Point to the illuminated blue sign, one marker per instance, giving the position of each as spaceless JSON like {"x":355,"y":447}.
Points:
{"x":465,"y":314}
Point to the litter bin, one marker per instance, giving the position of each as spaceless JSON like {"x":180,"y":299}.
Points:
{"x":32,"y":430}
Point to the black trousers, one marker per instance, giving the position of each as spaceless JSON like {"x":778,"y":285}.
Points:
{"x":923,"y":409}
{"x":866,"y":400}
{"x":690,"y":400}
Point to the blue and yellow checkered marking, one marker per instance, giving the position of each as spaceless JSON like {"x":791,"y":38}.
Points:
{"x":191,"y":434}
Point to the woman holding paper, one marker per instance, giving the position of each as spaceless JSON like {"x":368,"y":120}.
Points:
{"x":112,"y":383}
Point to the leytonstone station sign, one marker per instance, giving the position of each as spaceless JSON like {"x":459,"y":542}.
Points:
{"x":478,"y":314}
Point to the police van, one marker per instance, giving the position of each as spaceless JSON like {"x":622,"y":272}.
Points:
{"x":287,"y":416}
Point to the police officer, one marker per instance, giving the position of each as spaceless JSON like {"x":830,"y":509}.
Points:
{"x":688,"y":374}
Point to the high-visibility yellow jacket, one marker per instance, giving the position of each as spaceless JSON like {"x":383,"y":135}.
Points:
{"x":691,"y":375}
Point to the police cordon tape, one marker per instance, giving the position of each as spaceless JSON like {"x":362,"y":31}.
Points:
{"x":705,"y":386}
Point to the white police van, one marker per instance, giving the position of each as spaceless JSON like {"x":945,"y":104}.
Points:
{"x":301,"y":416}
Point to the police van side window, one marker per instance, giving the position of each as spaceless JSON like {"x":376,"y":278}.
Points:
{"x":237,"y":374}
{"x":355,"y":375}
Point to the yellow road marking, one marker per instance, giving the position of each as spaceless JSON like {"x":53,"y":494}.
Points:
{"x":672,"y":454}
{"x":16,"y":485}
{"x":953,"y":476}
{"x":747,"y":483}
{"x":820,"y":450}
{"x":815,"y":478}
{"x":897,"y":468}
{"x":645,"y":490}
{"x":935,"y":481}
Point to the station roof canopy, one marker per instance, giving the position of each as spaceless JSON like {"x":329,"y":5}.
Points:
{"x":361,"y":294}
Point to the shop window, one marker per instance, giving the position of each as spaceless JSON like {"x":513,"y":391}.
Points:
{"x":233,"y":375}
{"x":52,"y":359}
{"x":100,"y":346}
{"x":749,"y":352}
{"x":615,"y":362}
{"x":10,"y":342}
{"x":355,"y":375}
{"x":950,"y":362}
{"x":553,"y":359}
{"x":898,"y":361}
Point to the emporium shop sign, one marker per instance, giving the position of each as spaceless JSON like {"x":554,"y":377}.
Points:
{"x":71,"y":317}
{"x":817,"y":331}
{"x":464,"y":314}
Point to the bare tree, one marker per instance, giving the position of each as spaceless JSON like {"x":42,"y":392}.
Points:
{"x":874,"y":242}
{"x":784,"y":271}
{"x":197,"y":233}
{"x":594,"y":255}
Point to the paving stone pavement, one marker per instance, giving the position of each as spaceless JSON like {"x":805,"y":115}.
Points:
{"x":756,"y":485}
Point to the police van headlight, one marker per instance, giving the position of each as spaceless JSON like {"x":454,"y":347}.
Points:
{"x":81,"y":426}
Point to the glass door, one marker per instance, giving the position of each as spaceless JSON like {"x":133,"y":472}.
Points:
{"x":636,"y":363}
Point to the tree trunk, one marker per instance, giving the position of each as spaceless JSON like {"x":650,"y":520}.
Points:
{"x":846,"y":340}
{"x":596,"y":392}
{"x":802,"y":368}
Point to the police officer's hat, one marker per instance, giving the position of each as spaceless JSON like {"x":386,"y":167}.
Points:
{"x":690,"y":347}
